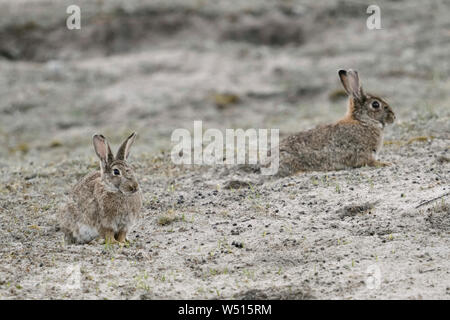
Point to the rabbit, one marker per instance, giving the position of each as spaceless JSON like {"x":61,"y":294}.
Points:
{"x":105,"y":203}
{"x":351,"y":142}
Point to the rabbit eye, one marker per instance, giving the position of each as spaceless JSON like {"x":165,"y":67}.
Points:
{"x":116,"y":172}
{"x":375,"y":104}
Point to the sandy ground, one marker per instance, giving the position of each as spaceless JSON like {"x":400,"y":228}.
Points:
{"x":152,"y":68}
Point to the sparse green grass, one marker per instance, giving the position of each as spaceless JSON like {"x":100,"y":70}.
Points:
{"x":47,"y":158}
{"x":342,"y":242}
{"x":141,"y":281}
{"x":249,"y":274}
{"x":166,"y":219}
{"x":441,"y":206}
{"x":338,"y":188}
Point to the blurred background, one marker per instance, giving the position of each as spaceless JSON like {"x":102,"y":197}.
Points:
{"x":153,"y":66}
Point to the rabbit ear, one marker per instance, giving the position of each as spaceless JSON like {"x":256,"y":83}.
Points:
{"x":102,"y":149}
{"x":124,"y":150}
{"x":350,"y":81}
{"x":344,"y":80}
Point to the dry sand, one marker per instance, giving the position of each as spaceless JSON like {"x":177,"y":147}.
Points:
{"x":352,"y":234}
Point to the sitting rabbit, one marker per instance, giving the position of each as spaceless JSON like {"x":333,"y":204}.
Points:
{"x":353,"y":141}
{"x":104,"y":203}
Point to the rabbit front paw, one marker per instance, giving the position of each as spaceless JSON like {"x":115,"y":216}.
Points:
{"x":109,"y":238}
{"x":379,"y":164}
{"x":122,"y":237}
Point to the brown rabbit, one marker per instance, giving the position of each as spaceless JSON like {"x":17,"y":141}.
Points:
{"x":104,"y":203}
{"x":353,"y":141}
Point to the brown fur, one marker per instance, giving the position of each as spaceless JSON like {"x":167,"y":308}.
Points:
{"x":102,"y":203}
{"x":353,"y":141}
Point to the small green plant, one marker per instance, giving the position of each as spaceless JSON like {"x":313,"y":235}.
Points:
{"x":280,"y":271}
{"x":141,"y":281}
{"x":249,"y":274}
{"x":338,"y":188}
{"x":213,"y":272}
{"x":166,"y":219}
{"x":254,"y":193}
{"x":108,"y":246}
